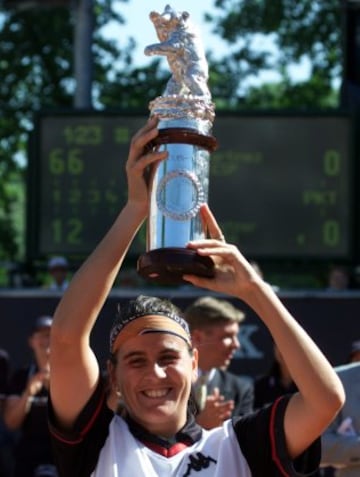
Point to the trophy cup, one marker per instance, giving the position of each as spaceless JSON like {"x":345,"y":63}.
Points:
{"x":180,"y":184}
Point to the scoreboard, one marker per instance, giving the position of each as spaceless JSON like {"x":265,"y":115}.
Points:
{"x":281,"y":185}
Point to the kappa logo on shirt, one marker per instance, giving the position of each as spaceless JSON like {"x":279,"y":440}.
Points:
{"x":198,"y":462}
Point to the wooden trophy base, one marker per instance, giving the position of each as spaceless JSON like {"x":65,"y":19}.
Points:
{"x":167,"y":265}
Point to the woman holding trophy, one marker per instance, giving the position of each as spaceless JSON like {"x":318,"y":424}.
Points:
{"x":153,"y":366}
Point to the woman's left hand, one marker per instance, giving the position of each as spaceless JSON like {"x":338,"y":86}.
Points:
{"x":233,"y":273}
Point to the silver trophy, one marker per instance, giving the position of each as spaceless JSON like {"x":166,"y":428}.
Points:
{"x":180,"y":184}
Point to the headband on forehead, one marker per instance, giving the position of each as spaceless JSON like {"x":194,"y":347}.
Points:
{"x":158,"y":321}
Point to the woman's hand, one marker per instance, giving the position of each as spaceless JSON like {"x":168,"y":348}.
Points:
{"x":216,"y":410}
{"x":140,"y":161}
{"x":233,"y":273}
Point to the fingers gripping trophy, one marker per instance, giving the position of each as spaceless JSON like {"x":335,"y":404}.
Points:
{"x":180,"y":184}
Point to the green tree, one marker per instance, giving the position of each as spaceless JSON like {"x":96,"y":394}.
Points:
{"x":36,"y":67}
{"x":134,"y":87}
{"x":309,"y":29}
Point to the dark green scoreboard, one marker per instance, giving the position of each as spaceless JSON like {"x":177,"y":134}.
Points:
{"x":280,"y":185}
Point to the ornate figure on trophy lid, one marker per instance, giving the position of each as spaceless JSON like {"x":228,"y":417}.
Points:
{"x":180,"y":184}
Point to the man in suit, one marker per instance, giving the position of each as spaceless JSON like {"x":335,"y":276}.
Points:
{"x":214,"y":325}
{"x":341,"y":441}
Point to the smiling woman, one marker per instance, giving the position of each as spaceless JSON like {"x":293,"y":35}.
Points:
{"x":153,"y":373}
{"x":153,"y":367}
{"x":153,"y":364}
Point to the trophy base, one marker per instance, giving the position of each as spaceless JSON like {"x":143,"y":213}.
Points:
{"x":168,"y":265}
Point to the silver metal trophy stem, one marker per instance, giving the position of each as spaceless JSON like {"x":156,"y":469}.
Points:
{"x":180,"y":184}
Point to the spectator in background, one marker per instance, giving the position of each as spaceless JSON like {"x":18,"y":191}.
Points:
{"x":214,"y":326}
{"x":341,"y":441}
{"x":354,"y":355}
{"x":7,"y":438}
{"x":275,"y":383}
{"x":58,"y":268}
{"x":338,"y":279}
{"x":260,"y":272}
{"x":26,"y":407}
{"x":4,"y":370}
{"x":342,"y":438}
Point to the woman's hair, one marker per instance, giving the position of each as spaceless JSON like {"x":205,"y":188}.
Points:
{"x":144,"y":306}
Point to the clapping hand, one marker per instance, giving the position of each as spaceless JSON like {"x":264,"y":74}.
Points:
{"x":216,"y":410}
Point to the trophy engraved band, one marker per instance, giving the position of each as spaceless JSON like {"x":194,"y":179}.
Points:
{"x":180,"y":184}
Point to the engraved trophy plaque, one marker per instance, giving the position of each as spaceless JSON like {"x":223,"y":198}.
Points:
{"x":180,"y":184}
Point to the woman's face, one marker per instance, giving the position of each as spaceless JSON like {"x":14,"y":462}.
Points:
{"x":153,"y":373}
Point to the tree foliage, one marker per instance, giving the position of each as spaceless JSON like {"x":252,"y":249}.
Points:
{"x":36,"y":67}
{"x":310,"y":29}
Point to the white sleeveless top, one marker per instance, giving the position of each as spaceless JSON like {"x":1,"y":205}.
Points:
{"x":124,"y":456}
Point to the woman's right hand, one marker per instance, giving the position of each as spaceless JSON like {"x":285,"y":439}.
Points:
{"x":140,"y":160}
